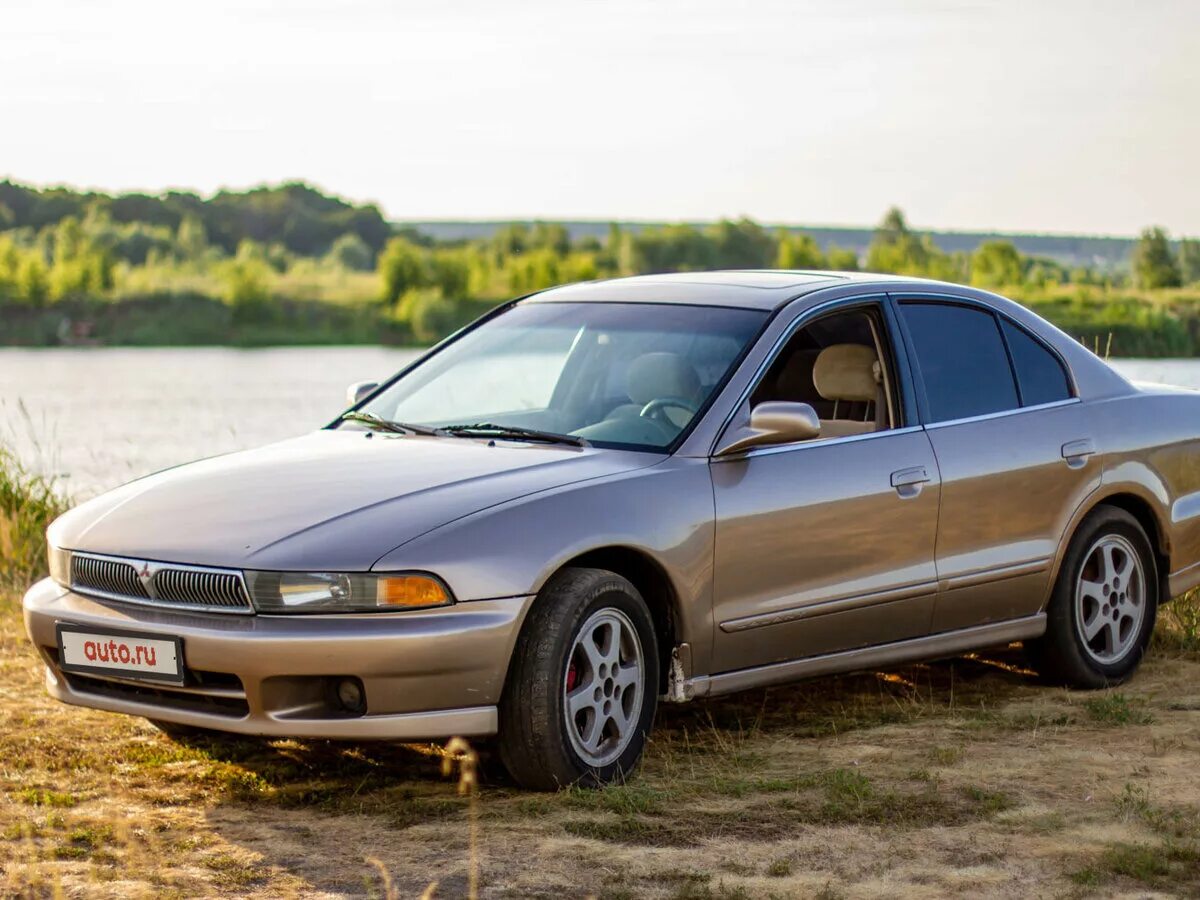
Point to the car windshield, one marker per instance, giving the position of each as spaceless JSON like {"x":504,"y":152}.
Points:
{"x":631,"y":375}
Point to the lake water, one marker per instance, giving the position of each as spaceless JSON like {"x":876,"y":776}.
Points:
{"x":95,"y":418}
{"x":99,"y":417}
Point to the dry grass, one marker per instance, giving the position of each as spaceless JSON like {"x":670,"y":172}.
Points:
{"x":960,"y":776}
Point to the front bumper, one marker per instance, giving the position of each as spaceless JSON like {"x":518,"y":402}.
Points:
{"x":429,"y":674}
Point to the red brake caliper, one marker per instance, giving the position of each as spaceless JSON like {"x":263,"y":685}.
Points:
{"x":572,"y":677}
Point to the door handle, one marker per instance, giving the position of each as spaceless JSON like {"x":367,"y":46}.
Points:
{"x":1076,"y":453}
{"x":907,"y":482}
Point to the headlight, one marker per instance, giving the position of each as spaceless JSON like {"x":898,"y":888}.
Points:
{"x":325,"y":592}
{"x":60,"y":564}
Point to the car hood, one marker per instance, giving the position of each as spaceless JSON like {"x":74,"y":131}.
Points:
{"x":328,"y":501}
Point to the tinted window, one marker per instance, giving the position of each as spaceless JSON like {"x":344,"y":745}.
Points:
{"x":1039,"y":374}
{"x":962,"y":360}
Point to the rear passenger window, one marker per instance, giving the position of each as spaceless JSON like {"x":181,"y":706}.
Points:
{"x":962,"y":360}
{"x":1040,"y":376}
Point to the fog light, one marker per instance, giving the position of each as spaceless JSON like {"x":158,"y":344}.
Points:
{"x":350,"y":695}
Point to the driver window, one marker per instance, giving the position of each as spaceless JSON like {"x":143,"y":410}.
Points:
{"x":841,"y":367}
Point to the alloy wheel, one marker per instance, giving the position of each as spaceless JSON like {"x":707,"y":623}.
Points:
{"x":603,"y":687}
{"x":1110,"y":599}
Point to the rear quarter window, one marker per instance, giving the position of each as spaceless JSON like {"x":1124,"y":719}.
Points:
{"x":1040,"y":376}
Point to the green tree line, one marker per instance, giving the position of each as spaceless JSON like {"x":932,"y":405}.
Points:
{"x":268,"y":257}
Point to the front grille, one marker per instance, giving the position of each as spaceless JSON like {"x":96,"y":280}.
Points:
{"x":190,"y":588}
{"x":109,"y":576}
{"x":160,"y":584}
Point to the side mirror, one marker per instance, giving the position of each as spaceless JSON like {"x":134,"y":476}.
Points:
{"x":774,"y":422}
{"x":359,"y":391}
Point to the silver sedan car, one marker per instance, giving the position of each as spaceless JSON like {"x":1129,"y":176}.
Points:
{"x":614,"y":494}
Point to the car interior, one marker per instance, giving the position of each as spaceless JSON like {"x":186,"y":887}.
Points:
{"x":651,"y":395}
{"x":644,"y":386}
{"x":839,"y":366}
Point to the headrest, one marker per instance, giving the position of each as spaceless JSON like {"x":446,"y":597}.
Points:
{"x":796,"y":377}
{"x":661,"y":375}
{"x":847,"y":372}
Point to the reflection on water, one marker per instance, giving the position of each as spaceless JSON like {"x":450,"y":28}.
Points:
{"x":99,"y":417}
{"x":1183,"y":372}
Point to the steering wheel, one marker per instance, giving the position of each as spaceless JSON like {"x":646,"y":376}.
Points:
{"x":656,"y":408}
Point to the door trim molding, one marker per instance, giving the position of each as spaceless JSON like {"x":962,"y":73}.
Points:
{"x":831,"y":605}
{"x":996,"y":573}
{"x":946,"y":644}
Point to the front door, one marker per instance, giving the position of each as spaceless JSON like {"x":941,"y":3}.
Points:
{"x":827,"y":545}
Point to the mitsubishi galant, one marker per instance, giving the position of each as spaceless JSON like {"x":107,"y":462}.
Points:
{"x":614,"y":494}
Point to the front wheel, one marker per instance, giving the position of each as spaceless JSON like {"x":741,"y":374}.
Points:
{"x":1102,"y":612}
{"x":583,"y":684}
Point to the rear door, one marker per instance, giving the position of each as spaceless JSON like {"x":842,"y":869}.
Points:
{"x":1014,"y":449}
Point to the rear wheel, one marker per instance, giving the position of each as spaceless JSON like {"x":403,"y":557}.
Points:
{"x":1102,"y":613}
{"x":582,"y":689}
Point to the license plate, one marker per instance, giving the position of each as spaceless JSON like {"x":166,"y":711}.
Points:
{"x":127,"y":654}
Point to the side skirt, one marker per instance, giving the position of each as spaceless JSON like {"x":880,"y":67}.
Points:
{"x":928,"y":647}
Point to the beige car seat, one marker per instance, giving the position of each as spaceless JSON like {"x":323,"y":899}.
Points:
{"x":659,"y":375}
{"x":846,"y":374}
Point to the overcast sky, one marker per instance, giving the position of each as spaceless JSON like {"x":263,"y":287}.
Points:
{"x":1036,"y":116}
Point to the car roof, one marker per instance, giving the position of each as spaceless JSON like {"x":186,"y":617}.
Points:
{"x":765,"y":289}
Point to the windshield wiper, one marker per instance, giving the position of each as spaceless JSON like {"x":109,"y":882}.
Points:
{"x":512,"y":432}
{"x":382,"y":424}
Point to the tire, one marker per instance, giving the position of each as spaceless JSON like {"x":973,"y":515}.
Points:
{"x":614,"y":687}
{"x":1091,"y":642}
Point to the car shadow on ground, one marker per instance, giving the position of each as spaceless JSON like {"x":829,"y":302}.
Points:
{"x":345,"y":776}
{"x":967,"y":684}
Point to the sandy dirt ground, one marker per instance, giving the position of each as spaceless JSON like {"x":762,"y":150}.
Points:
{"x":964,"y":777}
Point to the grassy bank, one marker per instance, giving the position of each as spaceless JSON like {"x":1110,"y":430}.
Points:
{"x":958,"y":776}
{"x":187,"y":319}
{"x":1148,"y":324}
{"x":1134,"y":324}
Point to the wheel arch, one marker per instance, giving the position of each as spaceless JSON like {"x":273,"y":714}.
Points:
{"x":1147,"y":513}
{"x":650,"y":577}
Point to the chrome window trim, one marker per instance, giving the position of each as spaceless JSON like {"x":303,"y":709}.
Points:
{"x":156,"y":566}
{"x":801,"y":319}
{"x":908,"y":429}
{"x":1002,"y":413}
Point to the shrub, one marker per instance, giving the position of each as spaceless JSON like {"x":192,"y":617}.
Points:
{"x":28,"y":503}
{"x":429,"y":314}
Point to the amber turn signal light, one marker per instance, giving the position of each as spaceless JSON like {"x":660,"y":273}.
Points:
{"x":408,"y":591}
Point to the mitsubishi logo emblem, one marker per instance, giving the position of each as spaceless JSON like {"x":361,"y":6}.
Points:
{"x":146,"y":577}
